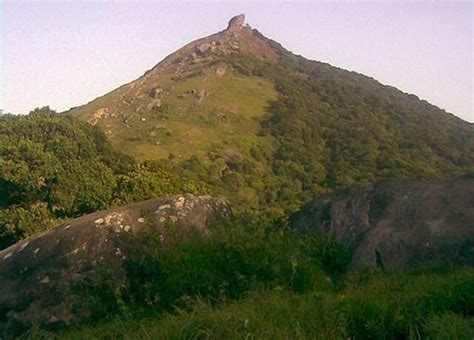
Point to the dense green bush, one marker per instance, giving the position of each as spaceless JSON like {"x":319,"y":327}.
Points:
{"x":17,"y":222}
{"x":336,"y":127}
{"x":151,"y":180}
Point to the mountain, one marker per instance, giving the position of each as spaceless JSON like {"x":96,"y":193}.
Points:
{"x":268,"y":128}
{"x":237,"y":115}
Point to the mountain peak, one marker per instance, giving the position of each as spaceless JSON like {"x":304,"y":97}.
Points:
{"x":237,"y":38}
{"x":239,"y":100}
{"x":236,"y":22}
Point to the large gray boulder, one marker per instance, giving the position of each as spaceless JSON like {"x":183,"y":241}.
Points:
{"x":38,"y":274}
{"x":395,"y":224}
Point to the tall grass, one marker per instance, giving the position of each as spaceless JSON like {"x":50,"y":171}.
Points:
{"x":262,"y":283}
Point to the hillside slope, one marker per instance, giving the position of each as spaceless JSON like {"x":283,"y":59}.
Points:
{"x":267,"y":127}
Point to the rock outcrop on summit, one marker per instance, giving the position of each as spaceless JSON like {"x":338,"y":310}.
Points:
{"x":39,"y":276}
{"x":236,"y":22}
{"x":396,"y":224}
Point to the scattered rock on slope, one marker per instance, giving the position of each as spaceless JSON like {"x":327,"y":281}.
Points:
{"x":395,"y":224}
{"x":36,"y":274}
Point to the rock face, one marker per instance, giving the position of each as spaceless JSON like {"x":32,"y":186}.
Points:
{"x":36,"y":274}
{"x":395,"y":224}
{"x":236,"y":22}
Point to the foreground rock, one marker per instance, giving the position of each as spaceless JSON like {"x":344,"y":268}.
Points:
{"x":394,"y":224}
{"x":37,"y":274}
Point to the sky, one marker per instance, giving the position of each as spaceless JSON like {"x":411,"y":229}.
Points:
{"x":66,"y":53}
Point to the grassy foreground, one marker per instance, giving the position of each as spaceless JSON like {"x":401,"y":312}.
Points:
{"x":416,"y":305}
{"x":263,"y":283}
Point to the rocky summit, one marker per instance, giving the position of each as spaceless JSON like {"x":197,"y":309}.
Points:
{"x":397,"y":224}
{"x":41,"y":276}
{"x":236,"y":22}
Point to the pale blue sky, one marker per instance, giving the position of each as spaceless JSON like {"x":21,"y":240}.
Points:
{"x":65,"y":54}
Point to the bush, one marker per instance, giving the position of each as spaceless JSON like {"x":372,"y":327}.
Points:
{"x":17,"y":223}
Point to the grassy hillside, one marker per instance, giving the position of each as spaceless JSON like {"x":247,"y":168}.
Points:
{"x":270,"y":130}
{"x":196,"y":114}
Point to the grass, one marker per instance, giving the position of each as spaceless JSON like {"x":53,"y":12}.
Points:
{"x":228,"y":113}
{"x":427,"y":303}
{"x":221,"y":128}
{"x":264,"y":283}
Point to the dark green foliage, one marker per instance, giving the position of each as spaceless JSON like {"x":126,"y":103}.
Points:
{"x":336,"y":127}
{"x":149,"y":180}
{"x":18,"y":222}
{"x":60,"y":161}
{"x":330,"y":255}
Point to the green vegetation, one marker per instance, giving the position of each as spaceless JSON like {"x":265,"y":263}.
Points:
{"x":264,"y":282}
{"x":327,"y":129}
{"x":54,"y":167}
{"x":250,"y":279}
{"x":269,"y":134}
{"x":191,"y":116}
{"x":336,"y":128}
{"x":232,"y":262}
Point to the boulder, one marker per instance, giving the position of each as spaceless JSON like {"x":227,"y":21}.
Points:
{"x":236,"y":22}
{"x":39,"y":276}
{"x":203,"y":48}
{"x":397,"y":224}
